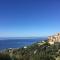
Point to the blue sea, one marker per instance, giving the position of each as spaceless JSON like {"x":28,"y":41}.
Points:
{"x":17,"y":43}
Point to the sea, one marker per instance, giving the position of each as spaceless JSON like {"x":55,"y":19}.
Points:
{"x":18,"y":43}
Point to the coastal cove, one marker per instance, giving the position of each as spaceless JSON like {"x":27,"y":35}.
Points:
{"x":18,"y":43}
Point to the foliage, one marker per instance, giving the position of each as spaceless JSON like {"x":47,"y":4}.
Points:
{"x":42,"y":52}
{"x":4,"y":56}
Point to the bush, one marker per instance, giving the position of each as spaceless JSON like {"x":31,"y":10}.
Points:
{"x":4,"y":56}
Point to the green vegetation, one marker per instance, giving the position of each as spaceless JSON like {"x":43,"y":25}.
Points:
{"x":43,"y":51}
{"x":4,"y":56}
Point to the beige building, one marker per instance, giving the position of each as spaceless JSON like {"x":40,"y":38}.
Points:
{"x":54,"y":38}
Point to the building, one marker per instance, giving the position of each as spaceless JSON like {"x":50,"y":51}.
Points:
{"x":54,"y":38}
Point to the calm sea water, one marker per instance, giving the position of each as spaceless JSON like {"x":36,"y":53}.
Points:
{"x":17,"y":43}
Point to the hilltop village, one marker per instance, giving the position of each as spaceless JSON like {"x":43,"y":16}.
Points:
{"x":43,"y":50}
{"x":54,"y":38}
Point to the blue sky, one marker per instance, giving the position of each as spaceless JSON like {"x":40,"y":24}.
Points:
{"x":29,"y":18}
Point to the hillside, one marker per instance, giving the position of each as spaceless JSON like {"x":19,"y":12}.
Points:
{"x":38,"y":51}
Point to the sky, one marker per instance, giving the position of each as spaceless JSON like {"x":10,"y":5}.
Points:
{"x":29,"y":18}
